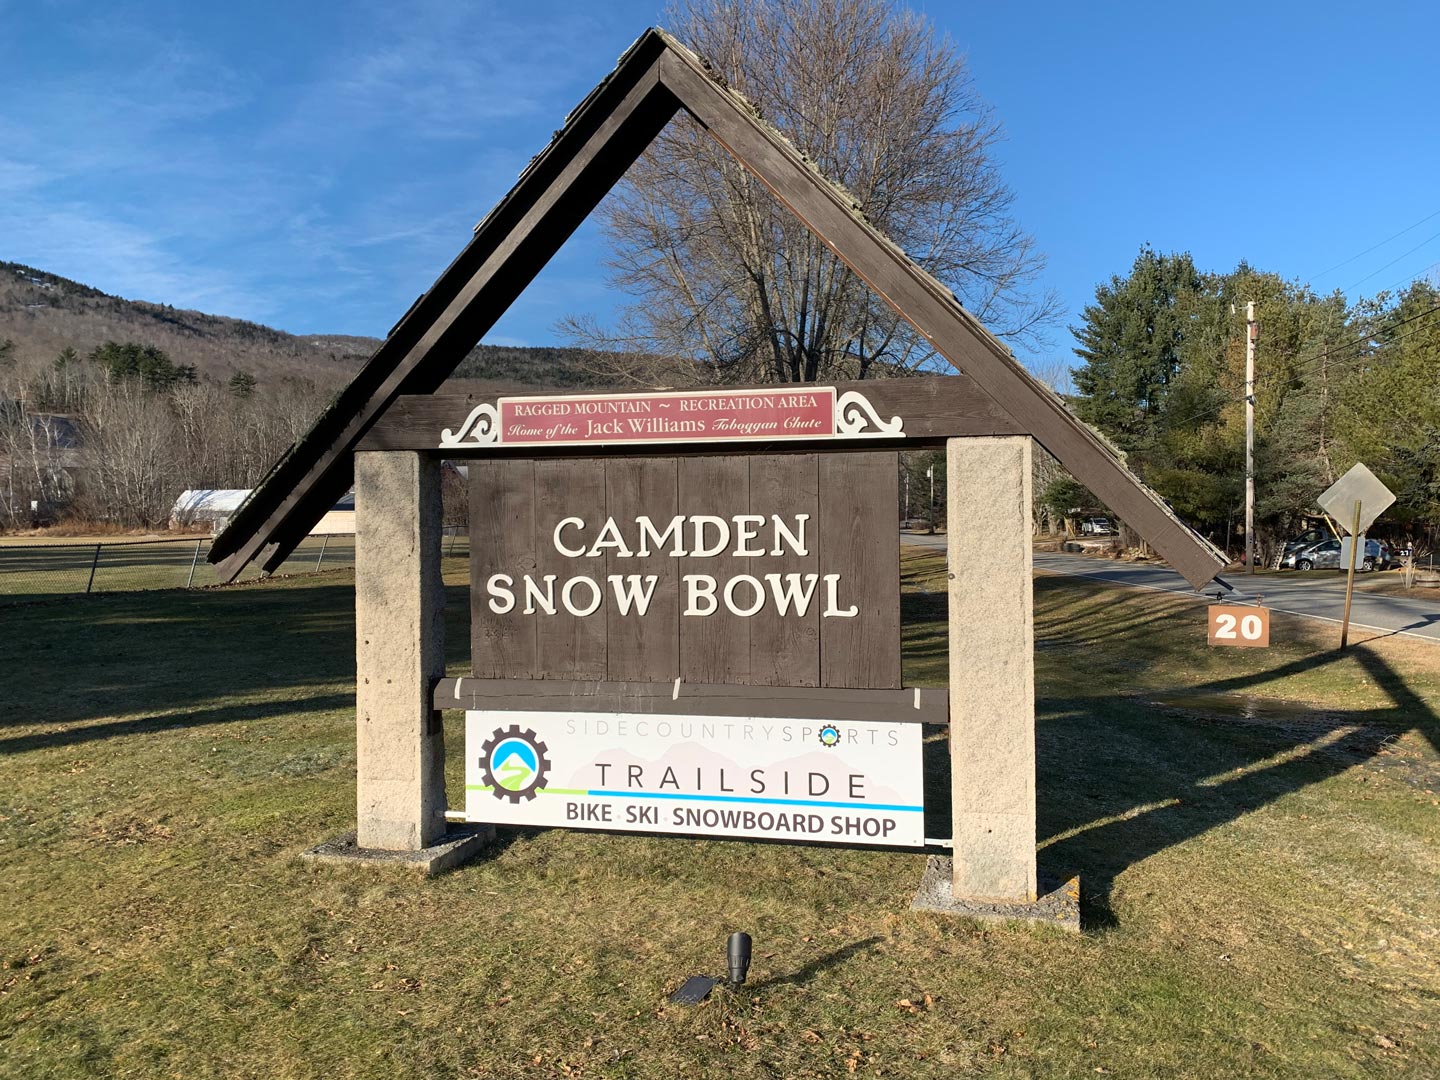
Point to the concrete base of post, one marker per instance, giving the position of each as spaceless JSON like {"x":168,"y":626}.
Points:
{"x":1058,"y":903}
{"x":460,"y":844}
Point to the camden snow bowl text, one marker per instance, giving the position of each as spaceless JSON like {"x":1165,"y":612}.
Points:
{"x":744,"y":537}
{"x":766,"y":778}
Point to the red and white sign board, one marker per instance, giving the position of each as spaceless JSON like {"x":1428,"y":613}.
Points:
{"x":1241,"y":625}
{"x":811,"y":412}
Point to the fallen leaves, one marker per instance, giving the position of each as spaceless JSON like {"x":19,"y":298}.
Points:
{"x":915,"y":1008}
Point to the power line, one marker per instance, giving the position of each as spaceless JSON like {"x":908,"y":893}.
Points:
{"x":1360,"y":341}
{"x":1393,"y":261}
{"x":1411,"y":278}
{"x":1213,"y":410}
{"x":1381,"y":244}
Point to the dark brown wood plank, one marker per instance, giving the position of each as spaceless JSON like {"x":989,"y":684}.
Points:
{"x":602,"y":137}
{"x":933,"y":408}
{"x":934,"y":312}
{"x":568,"y":646}
{"x":502,"y":541}
{"x":859,"y":539}
{"x":785,"y":650}
{"x":911,"y":704}
{"x":647,"y":648}
{"x":714,"y":648}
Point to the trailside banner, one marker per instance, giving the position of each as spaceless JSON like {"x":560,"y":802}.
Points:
{"x":763,"y":777}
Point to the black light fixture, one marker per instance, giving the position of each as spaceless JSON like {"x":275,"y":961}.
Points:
{"x":737,"y":949}
{"x":697,"y":988}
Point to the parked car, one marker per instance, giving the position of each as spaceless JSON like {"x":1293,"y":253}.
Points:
{"x":1096,"y":526}
{"x":1326,"y":556}
{"x":1309,"y":538}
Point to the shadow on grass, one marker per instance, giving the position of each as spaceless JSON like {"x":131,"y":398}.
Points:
{"x":100,"y":657}
{"x":71,"y":736}
{"x":816,"y":966}
{"x":1105,"y":805}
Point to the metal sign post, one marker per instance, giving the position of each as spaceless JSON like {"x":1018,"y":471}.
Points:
{"x":1370,"y":498}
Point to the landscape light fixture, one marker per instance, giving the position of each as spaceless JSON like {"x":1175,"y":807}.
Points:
{"x":697,"y":988}
{"x":737,"y":950}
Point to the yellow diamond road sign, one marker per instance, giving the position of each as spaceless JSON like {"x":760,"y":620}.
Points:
{"x":1358,"y":485}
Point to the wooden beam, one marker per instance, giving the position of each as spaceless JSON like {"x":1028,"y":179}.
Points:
{"x":911,"y":705}
{"x":559,"y":189}
{"x":935,"y":313}
{"x":934,"y":408}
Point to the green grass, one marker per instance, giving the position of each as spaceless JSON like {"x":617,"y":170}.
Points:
{"x":1259,"y":879}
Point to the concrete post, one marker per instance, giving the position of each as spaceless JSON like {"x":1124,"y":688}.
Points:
{"x":992,"y":668}
{"x":399,"y":651}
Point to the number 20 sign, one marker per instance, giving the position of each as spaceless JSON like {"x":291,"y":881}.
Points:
{"x":1232,"y":624}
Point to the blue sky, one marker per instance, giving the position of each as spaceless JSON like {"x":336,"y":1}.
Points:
{"x":314,"y":166}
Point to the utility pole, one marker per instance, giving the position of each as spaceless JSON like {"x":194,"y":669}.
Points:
{"x":1250,"y":330}
{"x":930,"y":472}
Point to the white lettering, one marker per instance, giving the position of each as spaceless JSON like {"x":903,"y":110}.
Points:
{"x":832,"y":602}
{"x":797,"y":543}
{"x":745,"y":531}
{"x":790,"y":593}
{"x":700,"y":587}
{"x":735,"y":609}
{"x":698,"y":548}
{"x":533,"y":595}
{"x":573,"y":553}
{"x":567,"y":596}
{"x":630,"y":594}
{"x":648,"y":533}
{"x":502,"y":600}
{"x":609,"y":539}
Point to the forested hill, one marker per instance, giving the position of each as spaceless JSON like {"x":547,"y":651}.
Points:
{"x":44,"y":314}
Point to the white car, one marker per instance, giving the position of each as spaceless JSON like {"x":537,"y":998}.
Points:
{"x":1096,"y":526}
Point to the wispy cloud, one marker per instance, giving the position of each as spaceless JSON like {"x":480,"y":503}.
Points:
{"x":315,"y":171}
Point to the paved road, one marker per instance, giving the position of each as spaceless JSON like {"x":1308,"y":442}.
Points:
{"x":1296,"y":596}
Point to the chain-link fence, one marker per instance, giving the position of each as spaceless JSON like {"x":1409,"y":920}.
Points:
{"x":38,"y":571}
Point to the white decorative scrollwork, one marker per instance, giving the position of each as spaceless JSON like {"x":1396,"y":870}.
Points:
{"x":856,"y":417}
{"x":481,"y":428}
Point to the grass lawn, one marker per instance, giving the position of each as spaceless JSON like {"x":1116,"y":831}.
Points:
{"x":1256,"y":831}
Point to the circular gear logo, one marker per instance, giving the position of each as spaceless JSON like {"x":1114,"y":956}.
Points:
{"x":830,"y":735}
{"x":514,"y":765}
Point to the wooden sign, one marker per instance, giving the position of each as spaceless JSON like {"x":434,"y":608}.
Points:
{"x":1239,"y":624}
{"x":763,"y":570}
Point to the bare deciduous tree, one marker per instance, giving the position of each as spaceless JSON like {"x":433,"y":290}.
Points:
{"x":731,"y":284}
{"x":131,"y":442}
{"x":75,"y":440}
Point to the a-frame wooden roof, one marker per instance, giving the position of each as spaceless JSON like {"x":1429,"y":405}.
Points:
{"x":600,"y":140}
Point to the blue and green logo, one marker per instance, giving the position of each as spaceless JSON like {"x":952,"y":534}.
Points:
{"x":830,"y":736}
{"x":514,"y":765}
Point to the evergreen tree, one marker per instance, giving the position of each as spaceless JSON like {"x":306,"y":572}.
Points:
{"x":148,"y":364}
{"x":242,"y":384}
{"x":1130,"y":343}
{"x":1387,"y":410}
